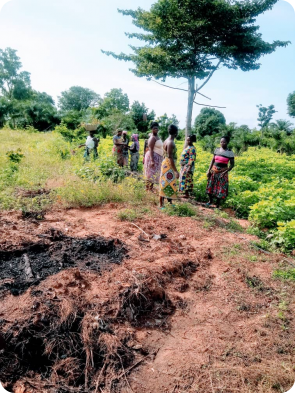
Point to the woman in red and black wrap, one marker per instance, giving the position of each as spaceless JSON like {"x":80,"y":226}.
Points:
{"x":217,"y":174}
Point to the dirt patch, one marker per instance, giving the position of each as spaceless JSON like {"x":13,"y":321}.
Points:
{"x":191,"y":312}
{"x":27,"y":266}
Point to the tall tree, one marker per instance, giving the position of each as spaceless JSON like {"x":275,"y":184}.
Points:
{"x":291,"y":104}
{"x":265,"y":115}
{"x":13,"y":82}
{"x":192,"y":39}
{"x":78,"y":98}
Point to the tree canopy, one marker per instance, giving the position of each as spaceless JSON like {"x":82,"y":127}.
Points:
{"x":78,"y":98}
{"x":192,"y":39}
{"x":265,"y":115}
{"x":13,"y":82}
{"x":137,"y":112}
{"x":209,"y":122}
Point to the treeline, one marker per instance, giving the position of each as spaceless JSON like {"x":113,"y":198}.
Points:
{"x":210,"y":125}
{"x":23,"y":107}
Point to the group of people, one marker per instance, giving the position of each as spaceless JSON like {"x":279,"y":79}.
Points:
{"x":122,"y":149}
{"x":160,"y":164}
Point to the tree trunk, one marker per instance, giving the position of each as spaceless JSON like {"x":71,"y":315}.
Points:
{"x":190,"y":104}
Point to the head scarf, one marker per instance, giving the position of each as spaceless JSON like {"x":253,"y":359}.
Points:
{"x":135,"y":139}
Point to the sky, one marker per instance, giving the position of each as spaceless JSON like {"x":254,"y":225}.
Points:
{"x":59,"y":42}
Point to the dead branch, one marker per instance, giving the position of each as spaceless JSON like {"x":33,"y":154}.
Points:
{"x":177,"y":88}
{"x":140,"y":230}
{"x":211,"y":106}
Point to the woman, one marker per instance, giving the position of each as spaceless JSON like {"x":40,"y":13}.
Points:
{"x":187,"y":163}
{"x":218,"y":172}
{"x":91,"y":145}
{"x":146,"y":146}
{"x":153,"y":158}
{"x":118,"y":147}
{"x":169,"y":173}
{"x":134,"y":153}
{"x":125,"y":141}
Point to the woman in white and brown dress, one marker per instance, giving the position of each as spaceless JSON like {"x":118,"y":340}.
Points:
{"x":153,"y":158}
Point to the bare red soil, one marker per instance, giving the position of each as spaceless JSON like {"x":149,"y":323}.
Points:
{"x":197,"y":311}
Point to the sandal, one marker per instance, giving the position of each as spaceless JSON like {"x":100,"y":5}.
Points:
{"x":208,"y":204}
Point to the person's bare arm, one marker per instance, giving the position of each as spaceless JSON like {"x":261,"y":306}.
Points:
{"x":210,"y":167}
{"x":170,"y":149}
{"x":151,"y":144}
{"x":83,"y":144}
{"x":231,"y":165}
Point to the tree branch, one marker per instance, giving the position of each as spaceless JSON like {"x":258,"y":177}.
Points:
{"x":209,"y":77}
{"x":211,"y":106}
{"x":177,"y":88}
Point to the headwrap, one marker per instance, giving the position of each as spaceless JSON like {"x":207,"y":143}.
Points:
{"x":124,"y":132}
{"x":135,"y":140}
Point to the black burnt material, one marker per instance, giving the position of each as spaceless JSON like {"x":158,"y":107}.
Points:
{"x":27,"y":266}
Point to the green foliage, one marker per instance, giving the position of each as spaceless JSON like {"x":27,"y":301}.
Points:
{"x":291,"y":104}
{"x":191,"y":40}
{"x":268,"y":212}
{"x":14,"y":84}
{"x":181,"y":210}
{"x":284,"y":237}
{"x":114,"y":101}
{"x":265,"y":115}
{"x":164,"y":122}
{"x":71,"y":135}
{"x":77,"y":98}
{"x":285,"y":274}
{"x":210,"y":121}
{"x":128,"y":215}
{"x":15,"y":156}
{"x":137,"y":112}
{"x":109,"y":124}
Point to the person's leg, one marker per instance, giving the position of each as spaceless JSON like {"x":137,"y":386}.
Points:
{"x":218,"y":202}
{"x":169,"y":200}
{"x":95,"y":154}
{"x":161,"y":201}
{"x":210,"y":198}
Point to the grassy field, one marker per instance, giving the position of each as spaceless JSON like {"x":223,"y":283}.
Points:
{"x":262,"y":186}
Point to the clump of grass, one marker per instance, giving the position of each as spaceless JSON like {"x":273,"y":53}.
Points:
{"x":128,"y":215}
{"x":181,"y":210}
{"x":285,"y":274}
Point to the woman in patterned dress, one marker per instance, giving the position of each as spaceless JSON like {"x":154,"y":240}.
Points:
{"x":217,"y":174}
{"x":153,"y":158}
{"x":169,"y":173}
{"x":187,"y":163}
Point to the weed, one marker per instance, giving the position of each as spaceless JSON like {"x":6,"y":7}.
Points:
{"x":128,"y":215}
{"x":234,"y":226}
{"x":232,"y":251}
{"x":181,"y":210}
{"x":254,"y":282}
{"x":15,"y":156}
{"x":285,"y":274}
